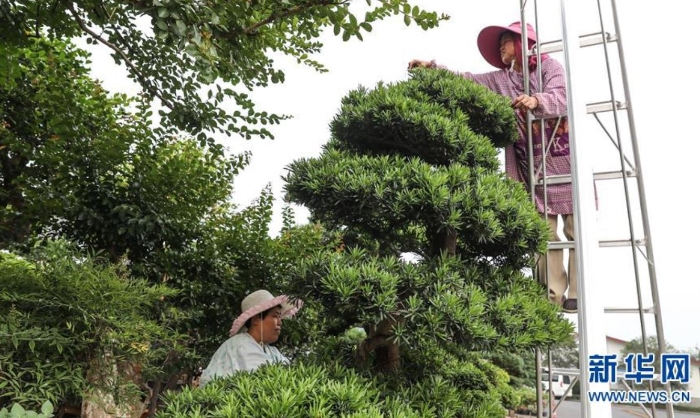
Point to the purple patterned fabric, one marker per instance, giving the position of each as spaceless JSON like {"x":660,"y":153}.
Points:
{"x":552,"y":104}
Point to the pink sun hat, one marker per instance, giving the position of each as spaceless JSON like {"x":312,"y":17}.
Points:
{"x":260,"y":301}
{"x":489,"y":41}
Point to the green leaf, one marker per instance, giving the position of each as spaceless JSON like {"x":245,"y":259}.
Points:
{"x":181,"y":27}
{"x":17,"y":410}
{"x":47,"y":408}
{"x":163,"y":12}
{"x":346,"y":35}
{"x":407,"y":20}
{"x":366,"y":26}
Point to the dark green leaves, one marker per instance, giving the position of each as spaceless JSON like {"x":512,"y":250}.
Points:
{"x":405,"y":165}
{"x":406,"y":171}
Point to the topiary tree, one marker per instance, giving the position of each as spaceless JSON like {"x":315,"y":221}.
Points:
{"x":412,"y":168}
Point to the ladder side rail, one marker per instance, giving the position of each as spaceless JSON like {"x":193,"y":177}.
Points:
{"x":626,"y":188}
{"x":591,"y":310}
{"x":642,"y":200}
{"x":531,"y":182}
{"x":533,"y":179}
{"x":625,"y":181}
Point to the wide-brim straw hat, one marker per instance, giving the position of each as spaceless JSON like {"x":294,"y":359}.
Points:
{"x":260,"y":301}
{"x":489,"y":41}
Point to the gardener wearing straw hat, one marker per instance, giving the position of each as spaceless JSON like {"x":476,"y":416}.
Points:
{"x":501,"y":46}
{"x":258,"y":326}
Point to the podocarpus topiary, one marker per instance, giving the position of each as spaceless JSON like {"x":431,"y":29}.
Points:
{"x":412,"y":168}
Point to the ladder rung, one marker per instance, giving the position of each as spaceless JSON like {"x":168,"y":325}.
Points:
{"x":569,"y":372}
{"x":600,"y":107}
{"x":597,"y":107}
{"x":629,"y":310}
{"x":556,"y":179}
{"x":585,"y":40}
{"x":561,"y":245}
{"x":613,"y":175}
{"x":622,"y":242}
{"x":603,"y":175}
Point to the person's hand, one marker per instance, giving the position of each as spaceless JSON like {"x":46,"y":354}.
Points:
{"x":524,"y":102}
{"x":419,"y":64}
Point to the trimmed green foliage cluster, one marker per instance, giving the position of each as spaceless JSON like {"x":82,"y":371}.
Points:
{"x":404,"y":166}
{"x":320,"y":391}
{"x":431,"y":117}
{"x":446,"y":299}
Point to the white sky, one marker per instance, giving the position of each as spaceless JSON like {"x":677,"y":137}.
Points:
{"x":657,"y":38}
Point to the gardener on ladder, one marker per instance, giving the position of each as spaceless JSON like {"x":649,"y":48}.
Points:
{"x":502,"y":47}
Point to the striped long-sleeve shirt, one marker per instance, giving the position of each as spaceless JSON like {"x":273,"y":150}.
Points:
{"x":552,"y":103}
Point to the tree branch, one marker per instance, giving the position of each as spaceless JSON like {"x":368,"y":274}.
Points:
{"x":142,"y":79}
{"x":282,"y":14}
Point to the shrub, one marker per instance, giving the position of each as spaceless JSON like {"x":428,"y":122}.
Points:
{"x":69,"y":321}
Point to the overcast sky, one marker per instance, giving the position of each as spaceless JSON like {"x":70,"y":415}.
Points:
{"x":659,"y":46}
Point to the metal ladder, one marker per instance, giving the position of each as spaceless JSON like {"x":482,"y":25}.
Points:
{"x":592,"y":339}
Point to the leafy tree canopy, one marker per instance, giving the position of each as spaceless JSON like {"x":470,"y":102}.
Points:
{"x":177,"y":49}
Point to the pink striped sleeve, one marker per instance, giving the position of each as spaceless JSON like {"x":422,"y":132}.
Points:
{"x":552,"y":99}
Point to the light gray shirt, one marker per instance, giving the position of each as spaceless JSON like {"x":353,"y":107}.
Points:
{"x":240,"y":353}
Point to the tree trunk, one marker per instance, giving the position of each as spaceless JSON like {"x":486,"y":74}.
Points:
{"x":445,"y":242}
{"x":388,"y":357}
{"x":153,"y":401}
{"x":98,"y":402}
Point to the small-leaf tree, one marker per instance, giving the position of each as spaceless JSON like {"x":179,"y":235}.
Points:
{"x":412,"y":168}
{"x":197,"y":58}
